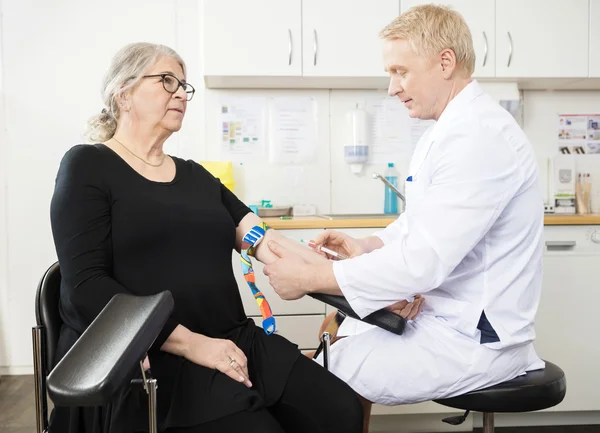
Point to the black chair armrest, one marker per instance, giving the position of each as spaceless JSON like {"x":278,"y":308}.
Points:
{"x":104,"y":358}
{"x":383,"y":318}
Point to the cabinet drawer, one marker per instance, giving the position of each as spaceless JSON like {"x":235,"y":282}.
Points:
{"x":301,"y":330}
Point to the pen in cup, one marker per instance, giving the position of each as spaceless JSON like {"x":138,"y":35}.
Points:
{"x":325,"y":250}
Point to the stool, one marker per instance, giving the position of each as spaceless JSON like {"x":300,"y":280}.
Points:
{"x":536,"y":390}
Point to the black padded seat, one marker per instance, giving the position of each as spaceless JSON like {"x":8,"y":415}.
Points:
{"x":536,"y":390}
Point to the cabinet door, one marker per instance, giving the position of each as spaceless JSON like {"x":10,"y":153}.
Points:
{"x":567,"y":325}
{"x":536,"y":40}
{"x":479,"y":15}
{"x":341,"y":37}
{"x":594,"y":38}
{"x":252,"y":38}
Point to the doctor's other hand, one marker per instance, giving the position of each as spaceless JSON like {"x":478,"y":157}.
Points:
{"x":408,"y":310}
{"x":218,"y":354}
{"x":340,"y":243}
{"x":286,"y":273}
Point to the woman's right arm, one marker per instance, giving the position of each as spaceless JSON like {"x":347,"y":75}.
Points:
{"x":80,"y":215}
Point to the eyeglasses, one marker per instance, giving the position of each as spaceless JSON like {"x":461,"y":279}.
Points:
{"x":172,"y":84}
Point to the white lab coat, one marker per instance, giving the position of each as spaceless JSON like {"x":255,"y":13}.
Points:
{"x":471,"y":241}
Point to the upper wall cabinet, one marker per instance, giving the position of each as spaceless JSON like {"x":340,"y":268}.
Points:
{"x":252,"y":37}
{"x":341,"y":37}
{"x":479,"y":15}
{"x":594,"y":53}
{"x":536,"y":39}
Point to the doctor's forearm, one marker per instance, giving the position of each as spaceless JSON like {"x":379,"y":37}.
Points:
{"x":321,"y":279}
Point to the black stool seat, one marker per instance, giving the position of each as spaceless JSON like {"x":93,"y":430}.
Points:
{"x":536,"y":390}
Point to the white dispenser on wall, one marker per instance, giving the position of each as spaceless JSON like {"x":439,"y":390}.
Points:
{"x":356,"y":152}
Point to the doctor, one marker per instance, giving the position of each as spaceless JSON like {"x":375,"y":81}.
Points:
{"x":470,"y":240}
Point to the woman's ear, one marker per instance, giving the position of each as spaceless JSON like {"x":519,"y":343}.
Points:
{"x":123,"y":101}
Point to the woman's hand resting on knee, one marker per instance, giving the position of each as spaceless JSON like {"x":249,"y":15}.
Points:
{"x":215,"y":353}
{"x":219,"y":354}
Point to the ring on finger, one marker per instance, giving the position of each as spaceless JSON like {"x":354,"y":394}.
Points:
{"x":231,"y":361}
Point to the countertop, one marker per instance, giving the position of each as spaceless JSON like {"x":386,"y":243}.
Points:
{"x":315,"y":222}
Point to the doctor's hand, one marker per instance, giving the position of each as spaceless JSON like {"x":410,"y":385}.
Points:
{"x":408,"y":310}
{"x":340,"y":243}
{"x":286,"y":273}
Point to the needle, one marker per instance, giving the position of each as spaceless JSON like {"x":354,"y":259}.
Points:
{"x":325,"y":250}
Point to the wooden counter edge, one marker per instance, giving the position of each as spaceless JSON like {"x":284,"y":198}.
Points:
{"x":322,"y":223}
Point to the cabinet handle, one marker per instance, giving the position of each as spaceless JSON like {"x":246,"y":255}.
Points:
{"x":486,"y":49}
{"x":560,"y":244}
{"x":315,"y":48}
{"x":510,"y":49}
{"x":290,"y":47}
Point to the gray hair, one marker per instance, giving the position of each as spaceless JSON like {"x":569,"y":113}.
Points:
{"x":125,"y":71}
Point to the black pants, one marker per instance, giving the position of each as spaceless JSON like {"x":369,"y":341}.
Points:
{"x":313,"y":401}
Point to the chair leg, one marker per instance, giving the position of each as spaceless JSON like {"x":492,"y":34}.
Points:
{"x":41,"y":403}
{"x":488,"y":422}
{"x":152,"y":386}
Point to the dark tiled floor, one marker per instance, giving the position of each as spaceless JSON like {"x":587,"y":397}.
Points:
{"x":17,"y":411}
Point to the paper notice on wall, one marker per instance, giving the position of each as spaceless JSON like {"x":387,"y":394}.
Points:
{"x":242,"y":122}
{"x":394,"y":134}
{"x":579,"y":133}
{"x":292,"y":131}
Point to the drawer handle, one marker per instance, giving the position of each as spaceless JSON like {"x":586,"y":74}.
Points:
{"x":560,"y":244}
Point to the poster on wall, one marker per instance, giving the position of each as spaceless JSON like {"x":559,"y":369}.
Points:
{"x":242,"y":122}
{"x":579,"y":134}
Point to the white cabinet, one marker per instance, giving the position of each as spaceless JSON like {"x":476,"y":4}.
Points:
{"x":535,"y":39}
{"x":567,"y":322}
{"x":594,"y":53}
{"x":252,"y":37}
{"x":341,"y":37}
{"x":480,"y":17}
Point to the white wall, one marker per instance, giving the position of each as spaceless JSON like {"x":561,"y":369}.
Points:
{"x":54,"y":55}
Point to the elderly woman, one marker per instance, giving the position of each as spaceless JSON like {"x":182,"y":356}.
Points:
{"x":127,"y":218}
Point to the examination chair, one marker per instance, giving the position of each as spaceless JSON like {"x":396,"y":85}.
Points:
{"x":536,"y":390}
{"x":104,"y":359}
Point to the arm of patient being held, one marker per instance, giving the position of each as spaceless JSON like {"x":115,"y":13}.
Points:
{"x":266,"y":256}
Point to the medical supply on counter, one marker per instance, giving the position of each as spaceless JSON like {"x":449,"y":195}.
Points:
{"x":356,"y":151}
{"x":266,"y":209}
{"x":325,"y":250}
{"x":390,"y":205}
{"x":249,"y":244}
{"x":582,"y":193}
{"x":564,"y":184}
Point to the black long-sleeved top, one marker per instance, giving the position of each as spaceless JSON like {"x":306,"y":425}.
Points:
{"x":116,"y":231}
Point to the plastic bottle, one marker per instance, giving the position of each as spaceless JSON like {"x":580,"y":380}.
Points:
{"x":391,"y":199}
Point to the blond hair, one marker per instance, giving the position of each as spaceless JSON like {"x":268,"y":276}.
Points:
{"x":126,"y":69}
{"x":430,"y":29}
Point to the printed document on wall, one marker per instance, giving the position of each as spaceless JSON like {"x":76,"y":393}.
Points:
{"x":394,"y":135}
{"x":579,"y":133}
{"x":293,"y":130}
{"x":242,"y":122}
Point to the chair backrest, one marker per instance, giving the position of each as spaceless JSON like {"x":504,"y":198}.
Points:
{"x":47,"y":313}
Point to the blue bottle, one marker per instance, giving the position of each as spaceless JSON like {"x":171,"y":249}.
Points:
{"x":391,"y":199}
